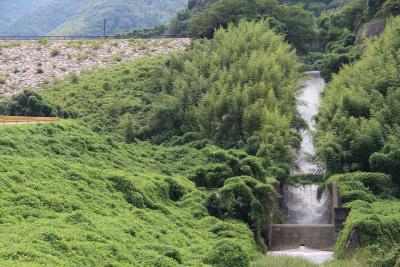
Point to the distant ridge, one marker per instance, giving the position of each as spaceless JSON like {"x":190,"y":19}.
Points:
{"x":85,"y":17}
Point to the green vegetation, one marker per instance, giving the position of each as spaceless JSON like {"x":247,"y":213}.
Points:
{"x":293,"y":21}
{"x":174,"y":160}
{"x":3,"y":78}
{"x":374,"y":217}
{"x":340,"y":29}
{"x":223,"y":111}
{"x":358,"y":130}
{"x":30,"y":103}
{"x":317,"y":6}
{"x":378,"y":225}
{"x":358,"y":259}
{"x":227,"y":253}
{"x":73,"y":197}
{"x":358,"y":124}
{"x":158,"y":30}
{"x":232,"y":100}
{"x":367,"y":187}
{"x":55,"y":52}
{"x":180,"y":100}
{"x":178,"y":25}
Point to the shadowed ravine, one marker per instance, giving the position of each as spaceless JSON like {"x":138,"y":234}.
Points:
{"x":301,"y":202}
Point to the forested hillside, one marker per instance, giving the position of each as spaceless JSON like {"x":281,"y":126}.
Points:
{"x":358,"y":125}
{"x":340,"y":30}
{"x":178,"y":159}
{"x":233,"y":100}
{"x":292,"y":21}
{"x":358,"y":130}
{"x":225,"y":123}
{"x":121,"y":15}
{"x":87,"y":17}
{"x":42,"y":20}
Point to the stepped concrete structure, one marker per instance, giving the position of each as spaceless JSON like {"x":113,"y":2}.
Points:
{"x":319,"y":235}
{"x":293,"y":236}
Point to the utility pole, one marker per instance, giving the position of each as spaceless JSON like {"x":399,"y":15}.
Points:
{"x":104,"y":29}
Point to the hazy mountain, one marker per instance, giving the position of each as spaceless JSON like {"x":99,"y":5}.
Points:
{"x":121,"y":15}
{"x":85,"y":17}
{"x":44,"y":19}
{"x":13,"y":10}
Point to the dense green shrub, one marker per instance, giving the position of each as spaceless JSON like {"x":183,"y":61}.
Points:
{"x":228,"y":253}
{"x":29,"y":103}
{"x":247,"y":199}
{"x":374,"y":216}
{"x":175,"y":190}
{"x":391,"y":7}
{"x":378,"y":225}
{"x":364,"y":186}
{"x":224,"y":164}
{"x":231,"y":111}
{"x":131,"y":194}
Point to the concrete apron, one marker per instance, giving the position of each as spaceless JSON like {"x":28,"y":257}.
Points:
{"x":313,"y":242}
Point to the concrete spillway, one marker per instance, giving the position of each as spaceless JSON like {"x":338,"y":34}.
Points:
{"x":308,"y":230}
{"x":303,"y":206}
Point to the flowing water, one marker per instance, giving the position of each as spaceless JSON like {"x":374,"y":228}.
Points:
{"x":302,"y":204}
{"x":308,"y":108}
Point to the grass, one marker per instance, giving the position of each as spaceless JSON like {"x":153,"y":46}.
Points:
{"x":280,"y":261}
{"x":43,"y":42}
{"x":80,"y":56}
{"x":117,"y":57}
{"x":102,"y":97}
{"x":73,"y":197}
{"x":358,"y":259}
{"x":3,"y":78}
{"x":55,"y":52}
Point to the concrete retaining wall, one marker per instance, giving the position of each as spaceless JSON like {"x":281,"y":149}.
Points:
{"x":291,"y":236}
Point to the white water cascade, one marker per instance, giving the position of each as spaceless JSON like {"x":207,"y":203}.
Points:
{"x":308,"y":107}
{"x":303,"y":206}
{"x":301,"y":202}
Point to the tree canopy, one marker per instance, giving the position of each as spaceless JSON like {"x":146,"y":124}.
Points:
{"x":359,"y":120}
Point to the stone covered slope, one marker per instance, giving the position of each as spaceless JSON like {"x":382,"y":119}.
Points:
{"x":27,"y":64}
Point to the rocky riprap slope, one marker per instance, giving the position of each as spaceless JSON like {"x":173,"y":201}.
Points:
{"x":27,"y":64}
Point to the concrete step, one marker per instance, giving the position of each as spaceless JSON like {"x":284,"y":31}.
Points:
{"x":292,"y":236}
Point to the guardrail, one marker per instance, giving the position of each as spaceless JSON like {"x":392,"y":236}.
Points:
{"x":83,"y":37}
{"x":16,"y":120}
